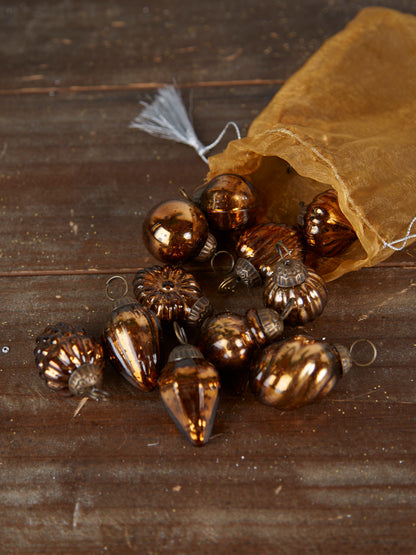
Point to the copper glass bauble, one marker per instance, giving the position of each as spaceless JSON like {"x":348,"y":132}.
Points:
{"x":132,"y":340}
{"x":70,"y":361}
{"x":325,"y":227}
{"x":229,"y":340}
{"x":292,"y":280}
{"x":189,"y":387}
{"x":229,"y":202}
{"x":258,"y":245}
{"x":176,"y":231}
{"x":299,"y":371}
{"x":168,"y":291}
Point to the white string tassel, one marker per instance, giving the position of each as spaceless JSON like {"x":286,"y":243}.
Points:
{"x":403,"y":240}
{"x":166,"y":117}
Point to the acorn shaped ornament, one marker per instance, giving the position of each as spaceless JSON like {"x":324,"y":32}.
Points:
{"x":189,"y":387}
{"x":326,"y":230}
{"x":300,"y":371}
{"x":171,"y":293}
{"x":70,"y":361}
{"x":228,"y":201}
{"x":229,"y":340}
{"x":132,"y":337}
{"x":292,"y":280}
{"x":176,"y":232}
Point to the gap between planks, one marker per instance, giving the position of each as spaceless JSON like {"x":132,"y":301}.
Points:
{"x":138,"y":87}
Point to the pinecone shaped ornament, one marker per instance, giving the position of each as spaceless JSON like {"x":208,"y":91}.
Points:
{"x":189,"y":387}
{"x":298,"y":371}
{"x":70,"y":361}
{"x":293,"y":281}
{"x":132,"y":339}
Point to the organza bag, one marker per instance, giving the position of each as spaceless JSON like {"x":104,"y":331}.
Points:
{"x":346,"y":120}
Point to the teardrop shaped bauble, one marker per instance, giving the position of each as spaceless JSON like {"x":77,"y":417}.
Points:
{"x":327,"y":231}
{"x":132,"y":340}
{"x":189,"y":387}
{"x":296,"y":372}
{"x":70,"y":361}
{"x":228,"y":201}
{"x":176,"y":231}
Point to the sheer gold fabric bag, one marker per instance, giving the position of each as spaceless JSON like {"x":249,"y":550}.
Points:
{"x":346,"y":120}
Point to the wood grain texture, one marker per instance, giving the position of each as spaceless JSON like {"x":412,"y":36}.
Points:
{"x":75,"y":184}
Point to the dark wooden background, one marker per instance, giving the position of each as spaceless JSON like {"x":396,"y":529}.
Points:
{"x":75,"y":183}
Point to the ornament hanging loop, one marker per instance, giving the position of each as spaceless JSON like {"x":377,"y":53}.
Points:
{"x":107,"y":288}
{"x":284,"y":253}
{"x":180,"y":333}
{"x":217,"y":267}
{"x":374,"y":352}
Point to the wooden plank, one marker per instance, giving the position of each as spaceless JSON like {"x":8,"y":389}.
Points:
{"x":119,"y":476}
{"x":100,"y":43}
{"x":76,"y":179}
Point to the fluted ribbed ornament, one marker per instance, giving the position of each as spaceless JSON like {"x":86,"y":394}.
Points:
{"x":293,"y":281}
{"x":327,"y":231}
{"x":298,"y":371}
{"x":70,"y":361}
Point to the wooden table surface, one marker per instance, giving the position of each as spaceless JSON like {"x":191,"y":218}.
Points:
{"x":335,"y":477}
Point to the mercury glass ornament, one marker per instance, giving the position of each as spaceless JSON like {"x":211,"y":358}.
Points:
{"x":132,"y":337}
{"x":229,"y":340}
{"x":189,"y":387}
{"x":298,"y":371}
{"x":228,"y":201}
{"x":326,"y":230}
{"x":171,"y":293}
{"x":258,"y":245}
{"x":292,"y":280}
{"x":70,"y":361}
{"x":176,"y":231}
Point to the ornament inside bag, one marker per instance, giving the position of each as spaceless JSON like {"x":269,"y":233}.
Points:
{"x":344,"y":121}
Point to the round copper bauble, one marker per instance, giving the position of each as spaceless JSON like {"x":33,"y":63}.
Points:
{"x":296,"y":372}
{"x":168,"y":291}
{"x":229,"y":340}
{"x":293,"y":281}
{"x":70,"y":360}
{"x":132,"y":340}
{"x":176,"y":231}
{"x":325,"y":227}
{"x":229,"y":202}
{"x":258,"y":245}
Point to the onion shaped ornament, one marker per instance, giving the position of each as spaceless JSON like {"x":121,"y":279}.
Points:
{"x":132,"y":338}
{"x":70,"y":361}
{"x":300,"y":371}
{"x":292,"y":280}
{"x":326,"y":230}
